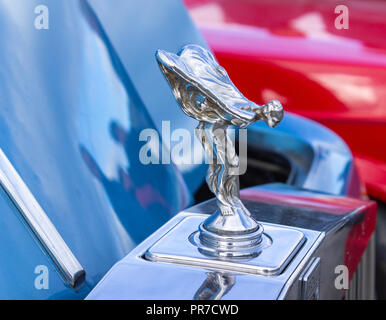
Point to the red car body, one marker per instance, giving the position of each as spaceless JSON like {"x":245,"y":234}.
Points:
{"x":292,"y":51}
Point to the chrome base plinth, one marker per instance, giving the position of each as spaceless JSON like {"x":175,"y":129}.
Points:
{"x":278,"y":245}
{"x":234,"y":220}
{"x":230,"y":232}
{"x":247,"y":244}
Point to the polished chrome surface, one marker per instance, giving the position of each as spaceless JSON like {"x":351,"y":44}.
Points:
{"x":40,"y":224}
{"x":279,"y":245}
{"x":205,"y":92}
{"x":136,"y":277}
{"x":328,"y":234}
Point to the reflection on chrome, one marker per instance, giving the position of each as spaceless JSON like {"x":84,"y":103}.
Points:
{"x":215,"y":286}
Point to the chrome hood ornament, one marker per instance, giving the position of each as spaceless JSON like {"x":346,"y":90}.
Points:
{"x":205,"y":92}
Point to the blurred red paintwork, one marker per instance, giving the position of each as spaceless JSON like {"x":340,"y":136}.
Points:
{"x":290,"y":50}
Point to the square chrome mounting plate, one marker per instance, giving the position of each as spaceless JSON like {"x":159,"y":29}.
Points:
{"x":176,"y":247}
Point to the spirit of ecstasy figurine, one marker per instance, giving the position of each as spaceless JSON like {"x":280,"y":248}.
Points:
{"x":205,"y":92}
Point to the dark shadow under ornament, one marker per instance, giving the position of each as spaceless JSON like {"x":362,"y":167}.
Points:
{"x":205,"y":92}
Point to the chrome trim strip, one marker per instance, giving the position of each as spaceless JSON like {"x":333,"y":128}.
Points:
{"x":40,"y":224}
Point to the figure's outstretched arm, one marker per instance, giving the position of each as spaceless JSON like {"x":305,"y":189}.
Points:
{"x":257,"y":109}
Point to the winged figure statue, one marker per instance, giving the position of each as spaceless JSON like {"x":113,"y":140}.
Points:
{"x":205,"y":92}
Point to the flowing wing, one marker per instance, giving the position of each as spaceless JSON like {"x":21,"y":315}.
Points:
{"x":203,"y":88}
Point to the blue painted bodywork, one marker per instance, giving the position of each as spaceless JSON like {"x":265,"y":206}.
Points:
{"x":73,"y":100}
{"x":72,"y":107}
{"x":320,"y":160}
